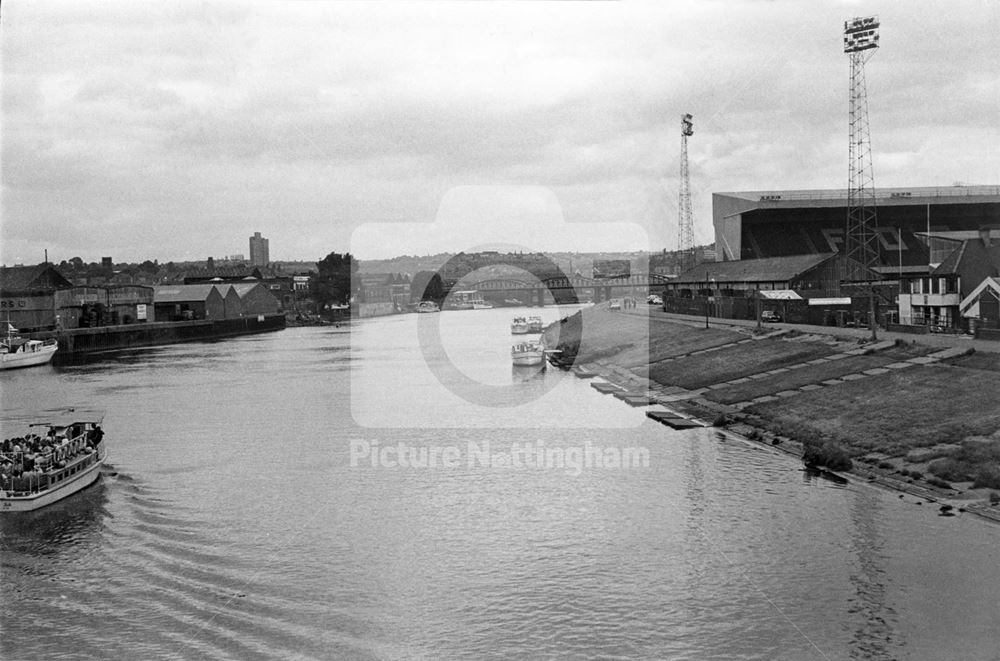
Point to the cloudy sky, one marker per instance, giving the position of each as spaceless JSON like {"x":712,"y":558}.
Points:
{"x":174,"y":130}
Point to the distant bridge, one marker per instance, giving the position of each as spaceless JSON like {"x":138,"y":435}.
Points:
{"x":566,"y":288}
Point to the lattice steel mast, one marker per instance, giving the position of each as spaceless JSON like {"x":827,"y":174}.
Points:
{"x":861,"y":235}
{"x":685,"y":226}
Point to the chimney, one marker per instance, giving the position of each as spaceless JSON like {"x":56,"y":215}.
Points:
{"x":984,"y":236}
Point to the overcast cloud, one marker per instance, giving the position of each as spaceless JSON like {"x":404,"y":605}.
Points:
{"x":175,"y":130}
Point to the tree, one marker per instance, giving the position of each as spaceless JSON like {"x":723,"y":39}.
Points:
{"x":332,"y":285}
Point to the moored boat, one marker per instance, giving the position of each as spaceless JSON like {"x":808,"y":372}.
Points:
{"x":527,"y":354}
{"x":15,"y":351}
{"x":428,"y":306}
{"x":534,"y":324}
{"x":519,"y":326}
{"x":37,"y":470}
{"x":467,"y":299}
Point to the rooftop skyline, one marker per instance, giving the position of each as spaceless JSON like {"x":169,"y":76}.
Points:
{"x":175,"y":131}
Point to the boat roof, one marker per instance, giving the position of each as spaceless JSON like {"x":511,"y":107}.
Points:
{"x":67,"y":417}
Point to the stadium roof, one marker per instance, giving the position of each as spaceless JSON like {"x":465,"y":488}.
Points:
{"x":883,"y":196}
{"x":772,"y":269}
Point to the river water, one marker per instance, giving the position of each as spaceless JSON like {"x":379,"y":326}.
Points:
{"x":254,"y":507}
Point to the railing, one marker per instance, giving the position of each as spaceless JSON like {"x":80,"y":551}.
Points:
{"x":38,"y":478}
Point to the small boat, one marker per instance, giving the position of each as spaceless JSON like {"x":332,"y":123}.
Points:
{"x":527,"y":354}
{"x":428,"y":306}
{"x":519,"y":326}
{"x":468,"y":299}
{"x":534,"y":324}
{"x":15,"y":351}
{"x":36,"y":471}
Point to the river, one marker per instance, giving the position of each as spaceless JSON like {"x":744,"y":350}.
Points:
{"x":254,"y":507}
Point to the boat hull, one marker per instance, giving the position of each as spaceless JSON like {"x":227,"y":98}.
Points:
{"x":36,"y":501}
{"x":18,"y":359}
{"x":528,"y":360}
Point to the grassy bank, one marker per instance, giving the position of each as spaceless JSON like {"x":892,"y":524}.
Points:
{"x":934,"y":426}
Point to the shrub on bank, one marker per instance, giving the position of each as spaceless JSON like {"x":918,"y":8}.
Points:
{"x":987,"y":477}
{"x":721,"y":420}
{"x":829,"y":455}
{"x":950,"y":469}
{"x":939,"y":483}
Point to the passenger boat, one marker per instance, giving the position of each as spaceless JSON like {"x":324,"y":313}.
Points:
{"x":534,"y":324}
{"x":428,"y":306}
{"x":519,"y":326}
{"x":38,"y":470}
{"x":527,"y":353}
{"x":15,"y":351}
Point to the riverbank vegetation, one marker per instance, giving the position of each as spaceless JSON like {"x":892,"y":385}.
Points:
{"x":735,"y":361}
{"x":933,"y":425}
{"x":817,"y":373}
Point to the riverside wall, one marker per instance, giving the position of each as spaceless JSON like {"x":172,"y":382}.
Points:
{"x":77,"y":342}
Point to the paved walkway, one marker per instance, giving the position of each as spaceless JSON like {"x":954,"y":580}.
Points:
{"x":939,"y":340}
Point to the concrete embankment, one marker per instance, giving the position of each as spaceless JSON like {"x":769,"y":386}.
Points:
{"x":921,"y":418}
{"x":77,"y":342}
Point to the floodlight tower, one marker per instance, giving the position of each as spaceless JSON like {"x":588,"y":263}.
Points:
{"x":860,"y":237}
{"x":685,"y":226}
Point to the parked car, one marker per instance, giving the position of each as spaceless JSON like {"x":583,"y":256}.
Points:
{"x":770,"y":316}
{"x":653,"y":299}
{"x":615,"y":304}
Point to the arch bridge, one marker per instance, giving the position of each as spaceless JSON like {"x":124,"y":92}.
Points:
{"x":567,"y":288}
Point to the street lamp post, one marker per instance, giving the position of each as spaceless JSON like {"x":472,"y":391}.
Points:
{"x":757,"y":307}
{"x":708,"y":297}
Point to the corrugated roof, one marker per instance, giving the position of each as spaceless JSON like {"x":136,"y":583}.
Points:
{"x":972,"y":255}
{"x":772,"y":269}
{"x":954,"y":194}
{"x":28,"y":278}
{"x":182,"y":293}
{"x":244,"y":288}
